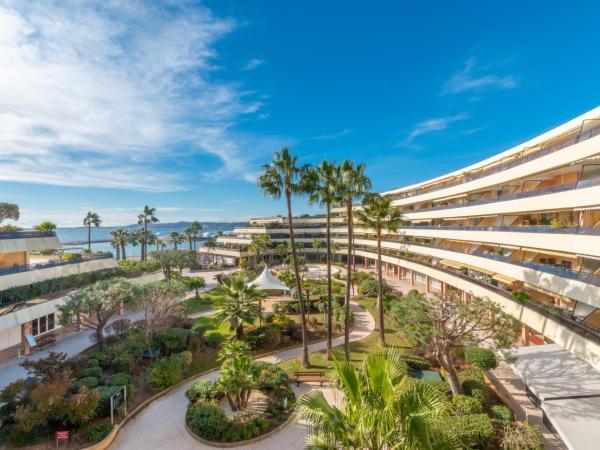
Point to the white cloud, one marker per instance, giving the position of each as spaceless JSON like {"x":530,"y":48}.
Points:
{"x":106,"y":93}
{"x":335,"y":135}
{"x":475,"y":78}
{"x":254,"y":63}
{"x":431,"y":126}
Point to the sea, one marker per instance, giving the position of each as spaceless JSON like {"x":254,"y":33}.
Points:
{"x":80,"y":234}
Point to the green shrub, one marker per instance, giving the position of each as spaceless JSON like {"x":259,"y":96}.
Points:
{"x":93,"y":362}
{"x":166,"y":372}
{"x":89,"y":382}
{"x":501,"y":413}
{"x":483,"y":358}
{"x":185,"y":359}
{"x":209,"y":422}
{"x":270,"y":376}
{"x":471,"y":430}
{"x":174,"y":340}
{"x":203,"y":390}
{"x":106,"y":392}
{"x":266,"y":336}
{"x":214,"y":340}
{"x":478,"y":390}
{"x":473,"y":373}
{"x":98,"y":432}
{"x":521,"y":436}
{"x":95,"y":372}
{"x":104,"y":358}
{"x":463,"y":405}
{"x":80,"y":407}
{"x":370,"y":288}
{"x":203,"y":324}
{"x":416,"y":362}
{"x":123,"y":363}
{"x":123,"y":379}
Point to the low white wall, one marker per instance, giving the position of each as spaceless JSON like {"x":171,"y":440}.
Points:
{"x":28,"y":244}
{"x":34,"y":276}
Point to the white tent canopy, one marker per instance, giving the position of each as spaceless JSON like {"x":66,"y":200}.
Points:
{"x":266,"y":281}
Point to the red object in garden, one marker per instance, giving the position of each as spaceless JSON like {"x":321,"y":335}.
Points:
{"x":62,"y":436}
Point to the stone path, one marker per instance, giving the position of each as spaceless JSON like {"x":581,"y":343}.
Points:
{"x":77,"y":341}
{"x":161,"y":424}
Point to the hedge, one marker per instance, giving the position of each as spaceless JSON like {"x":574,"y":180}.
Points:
{"x":501,"y":413}
{"x":471,"y":430}
{"x":466,"y":405}
{"x":483,"y":358}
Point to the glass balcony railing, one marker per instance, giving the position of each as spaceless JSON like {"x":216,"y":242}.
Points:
{"x":587,"y":130}
{"x":52,"y":263}
{"x":546,"y":191}
{"x":513,"y":228}
{"x":26,"y":234}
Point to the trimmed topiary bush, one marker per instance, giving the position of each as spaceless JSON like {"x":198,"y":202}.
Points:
{"x":92,"y":362}
{"x":94,"y":372}
{"x":466,"y":405}
{"x":483,"y":358}
{"x":106,"y":392}
{"x":214,"y":340}
{"x":89,"y":382}
{"x":501,"y":413}
{"x":98,"y":432}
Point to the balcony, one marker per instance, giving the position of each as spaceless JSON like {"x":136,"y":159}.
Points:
{"x":584,"y":132}
{"x":53,"y":263}
{"x":27,"y":241}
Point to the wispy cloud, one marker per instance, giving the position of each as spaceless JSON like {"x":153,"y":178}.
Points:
{"x":430,"y":126}
{"x":254,"y":63}
{"x":336,"y":135}
{"x":107,"y":94}
{"x":471,"y":131}
{"x":477,"y":78}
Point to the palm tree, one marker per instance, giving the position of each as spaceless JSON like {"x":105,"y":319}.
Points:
{"x":151,"y":239}
{"x":148,"y":216}
{"x":382,"y":409}
{"x":122,"y":237}
{"x":335,"y":247}
{"x":237,"y":303}
{"x":195,"y":283}
{"x":283,"y":176}
{"x":352,"y":185}
{"x":134,"y":238}
{"x":116,"y":244}
{"x":281,"y":251}
{"x":90,"y":219}
{"x":196,"y":226}
{"x":260,"y":243}
{"x":191,"y":235}
{"x":324,"y":192}
{"x":46,"y":225}
{"x":176,"y":238}
{"x":378,"y":215}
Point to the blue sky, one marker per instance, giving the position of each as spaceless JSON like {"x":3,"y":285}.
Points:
{"x":111,"y":105}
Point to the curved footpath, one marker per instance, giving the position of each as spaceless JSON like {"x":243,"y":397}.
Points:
{"x":161,"y":425}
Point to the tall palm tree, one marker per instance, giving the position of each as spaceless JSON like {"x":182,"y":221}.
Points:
{"x":116,"y":243}
{"x":237,"y":303}
{"x":151,"y":239}
{"x":197,"y":227}
{"x":122,"y":237}
{"x":378,"y":215}
{"x":352,"y":184}
{"x":284,"y":176}
{"x":382,"y":409}
{"x":91,"y":218}
{"x":282,"y":251}
{"x":176,"y":238}
{"x":191,"y":235}
{"x":324,"y":192}
{"x":259,"y":244}
{"x":147,"y":217}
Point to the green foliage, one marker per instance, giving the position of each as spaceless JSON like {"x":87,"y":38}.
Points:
{"x":370,"y":288}
{"x":93,"y":362}
{"x":88,"y":382}
{"x":55,"y":366}
{"x":202,"y":325}
{"x":478,"y":390}
{"x":170,"y":260}
{"x":123,"y":379}
{"x":472,"y":430}
{"x":522,"y":296}
{"x":214,"y":340}
{"x":167,"y":372}
{"x":80,"y":408}
{"x":237,"y":303}
{"x":93,"y":372}
{"x":416,"y":362}
{"x":105,"y":392}
{"x":203,"y":390}
{"x":463,"y":405}
{"x":209,"y":422}
{"x":483,"y":358}
{"x":98,"y":432}
{"x":270,"y":376}
{"x":521,"y":436}
{"x":123,"y":362}
{"x":501,"y":413}
{"x":266,"y":336}
{"x":174,"y":340}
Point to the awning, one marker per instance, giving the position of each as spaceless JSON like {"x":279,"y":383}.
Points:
{"x":266,"y":281}
{"x":503,"y":278}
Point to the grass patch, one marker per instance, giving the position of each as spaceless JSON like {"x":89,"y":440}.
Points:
{"x":195,"y":305}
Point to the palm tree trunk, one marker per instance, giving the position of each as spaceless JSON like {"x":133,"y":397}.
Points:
{"x":380,"y":292}
{"x":305,"y":360}
{"x":328,"y":350}
{"x":123,"y":250}
{"x":90,"y":237}
{"x":145,"y":241}
{"x":348,"y":283}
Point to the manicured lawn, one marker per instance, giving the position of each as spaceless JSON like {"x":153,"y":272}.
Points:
{"x":358,"y":349}
{"x":194,"y":305}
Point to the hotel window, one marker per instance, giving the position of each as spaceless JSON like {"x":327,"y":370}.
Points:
{"x":42,"y":324}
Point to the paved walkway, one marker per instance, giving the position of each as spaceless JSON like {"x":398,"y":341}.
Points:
{"x":161,"y":425}
{"x":77,"y":341}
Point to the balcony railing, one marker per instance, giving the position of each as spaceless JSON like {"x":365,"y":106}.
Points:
{"x":513,"y":228}
{"x":549,"y":190}
{"x":53,"y":263}
{"x":570,"y":138}
{"x":26,"y":234}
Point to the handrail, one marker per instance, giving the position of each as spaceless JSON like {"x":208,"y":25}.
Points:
{"x":25,"y":234}
{"x":511,"y":228}
{"x":569,"y":139}
{"x":549,"y":190}
{"x":53,"y":263}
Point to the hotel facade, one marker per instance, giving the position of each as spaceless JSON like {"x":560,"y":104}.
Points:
{"x":521,"y":228}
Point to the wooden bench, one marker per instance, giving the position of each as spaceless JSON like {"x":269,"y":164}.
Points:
{"x":46,"y":339}
{"x":309,"y":376}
